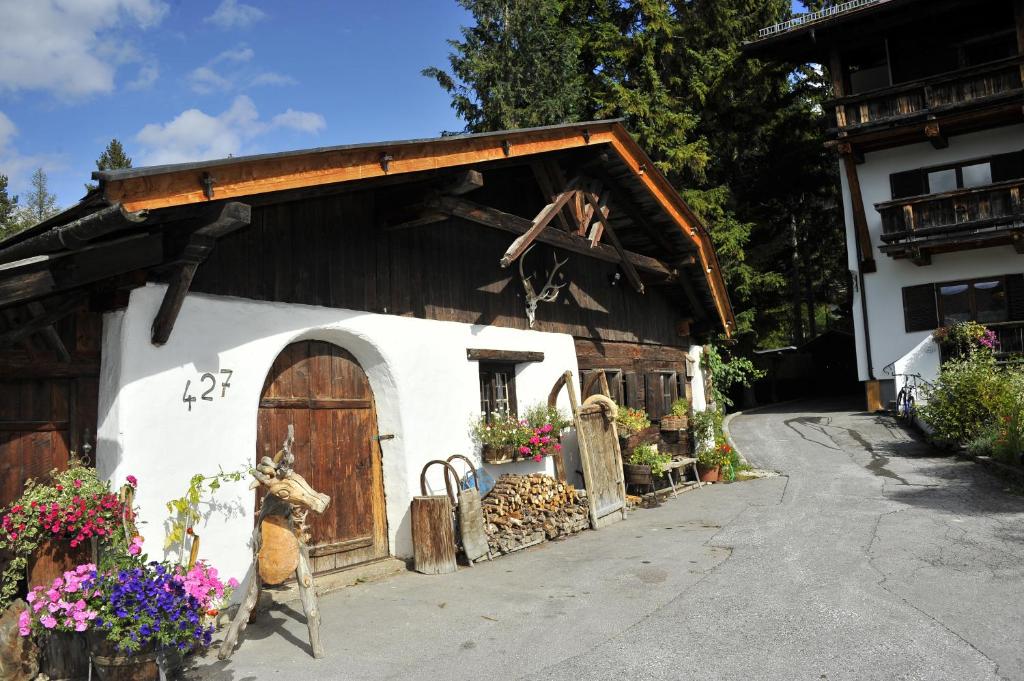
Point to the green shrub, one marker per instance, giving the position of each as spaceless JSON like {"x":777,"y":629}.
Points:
{"x":680,"y":407}
{"x":541,"y":414}
{"x":630,"y":421}
{"x":706,"y":426}
{"x":648,"y":455}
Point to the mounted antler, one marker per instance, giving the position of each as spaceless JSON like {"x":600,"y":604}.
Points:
{"x":548,"y":294}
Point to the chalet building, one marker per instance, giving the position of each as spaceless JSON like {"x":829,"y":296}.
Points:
{"x":929,"y":128}
{"x":376,"y":297}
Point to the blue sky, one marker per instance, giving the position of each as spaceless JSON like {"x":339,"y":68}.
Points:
{"x":179,"y":80}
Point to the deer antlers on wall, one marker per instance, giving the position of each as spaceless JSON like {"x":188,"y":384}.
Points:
{"x":548,"y":294}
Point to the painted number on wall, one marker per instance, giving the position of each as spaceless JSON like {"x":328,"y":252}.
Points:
{"x":206,"y":388}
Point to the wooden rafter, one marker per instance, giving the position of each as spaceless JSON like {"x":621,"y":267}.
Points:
{"x":547,"y":188}
{"x":44,"y":319}
{"x":492,"y":217}
{"x":627,"y":266}
{"x":49,"y":334}
{"x":230,"y":216}
{"x":601,"y":211}
{"x":540,"y":223}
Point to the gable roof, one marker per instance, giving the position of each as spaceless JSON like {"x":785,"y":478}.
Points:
{"x":162,"y":189}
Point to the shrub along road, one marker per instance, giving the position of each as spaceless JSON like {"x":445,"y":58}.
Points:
{"x":872,"y":559}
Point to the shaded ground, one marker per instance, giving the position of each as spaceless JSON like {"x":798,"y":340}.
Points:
{"x":872,"y":559}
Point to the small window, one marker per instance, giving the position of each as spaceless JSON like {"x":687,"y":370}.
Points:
{"x":940,"y":181}
{"x":497,"y":389}
{"x":982,"y":300}
{"x":669,"y":392}
{"x":977,"y":175}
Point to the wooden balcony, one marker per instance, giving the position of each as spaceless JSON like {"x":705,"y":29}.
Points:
{"x":916,"y":227}
{"x":964,"y":96}
{"x":1011,"y":339}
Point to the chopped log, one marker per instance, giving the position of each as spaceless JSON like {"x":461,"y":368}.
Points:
{"x":433,"y":536}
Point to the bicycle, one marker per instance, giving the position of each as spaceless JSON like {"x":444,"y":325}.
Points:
{"x":905,"y":398}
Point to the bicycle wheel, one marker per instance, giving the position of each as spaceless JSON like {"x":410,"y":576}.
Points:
{"x":901,"y":403}
{"x":909,"y":406}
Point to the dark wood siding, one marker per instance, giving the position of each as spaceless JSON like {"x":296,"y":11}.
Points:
{"x":331,"y":252}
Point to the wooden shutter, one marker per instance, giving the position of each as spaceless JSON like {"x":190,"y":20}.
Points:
{"x":910,"y":183}
{"x":919,"y":311}
{"x":1015,"y":297}
{"x":653,"y":394}
{"x":634,"y":390}
{"x":1008,"y":166}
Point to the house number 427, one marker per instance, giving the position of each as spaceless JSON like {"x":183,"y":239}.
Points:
{"x":207,"y":385}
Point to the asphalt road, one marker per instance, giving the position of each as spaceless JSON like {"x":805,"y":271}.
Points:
{"x":871,"y":558}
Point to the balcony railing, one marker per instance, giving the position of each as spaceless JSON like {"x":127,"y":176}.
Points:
{"x":814,"y":17}
{"x":1011,"y":338}
{"x":993,"y":209}
{"x":973,"y":86}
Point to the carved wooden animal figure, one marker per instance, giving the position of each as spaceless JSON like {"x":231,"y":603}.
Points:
{"x":279,"y":542}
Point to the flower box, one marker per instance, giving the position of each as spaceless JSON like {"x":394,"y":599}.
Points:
{"x":673,"y":423}
{"x":498,"y":454}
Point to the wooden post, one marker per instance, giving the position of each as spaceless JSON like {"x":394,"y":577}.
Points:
{"x":1018,"y":10}
{"x":433,"y":537}
{"x":860,"y":219}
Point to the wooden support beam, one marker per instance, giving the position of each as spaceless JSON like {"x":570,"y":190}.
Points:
{"x":463,"y":183}
{"x":50,"y":334}
{"x":626,"y":204}
{"x":860,"y":220}
{"x":627,"y":266}
{"x":1017,"y":239}
{"x":15,"y":369}
{"x":599,"y":210}
{"x":539,"y":224}
{"x":483,"y":355}
{"x":492,"y":217}
{"x":572,"y":210}
{"x":547,"y":188}
{"x":230,"y":216}
{"x":429,"y":217}
{"x":44,"y":275}
{"x":696,"y":304}
{"x":42,"y":321}
{"x":919,"y":257}
{"x":934,"y":134}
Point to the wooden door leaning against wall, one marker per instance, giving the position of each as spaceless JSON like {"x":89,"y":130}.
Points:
{"x":321,"y":390}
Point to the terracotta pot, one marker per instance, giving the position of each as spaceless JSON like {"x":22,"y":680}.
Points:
{"x":112,"y":665}
{"x":499,"y":454}
{"x":65,"y":656}
{"x":709,"y":474}
{"x":53,"y":558}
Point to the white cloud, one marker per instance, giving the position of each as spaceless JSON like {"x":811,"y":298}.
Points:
{"x":303,"y":121}
{"x":272,"y":78}
{"x":204,"y":80}
{"x":194,"y":135}
{"x":238,"y":55}
{"x":148,"y":75}
{"x":7,"y":130}
{"x":69,"y":48}
{"x":233,"y":14}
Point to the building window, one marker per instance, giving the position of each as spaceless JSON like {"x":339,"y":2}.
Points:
{"x":982,"y":300}
{"x":616,"y":384}
{"x":497,"y":389}
{"x":962,"y":175}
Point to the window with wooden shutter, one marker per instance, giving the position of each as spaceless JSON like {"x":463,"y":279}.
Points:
{"x":497,"y":389}
{"x":634,"y":389}
{"x":1015,"y":297}
{"x":652,"y":395}
{"x":919,"y":310}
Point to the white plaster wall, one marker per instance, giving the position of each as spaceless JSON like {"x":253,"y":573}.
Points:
{"x":889,"y":341}
{"x":698,"y":398}
{"x":922,"y":360}
{"x":426,"y":393}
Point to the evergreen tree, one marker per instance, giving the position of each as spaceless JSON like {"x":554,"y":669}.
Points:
{"x":112,"y":158}
{"x":8,"y":209}
{"x":39,"y":202}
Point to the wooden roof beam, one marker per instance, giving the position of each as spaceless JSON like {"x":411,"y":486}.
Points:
{"x":492,"y":217}
{"x":230,"y":217}
{"x":547,"y":188}
{"x":44,"y":319}
{"x":540,"y":223}
{"x":627,"y":266}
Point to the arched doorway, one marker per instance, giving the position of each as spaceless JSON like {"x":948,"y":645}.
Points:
{"x":322,"y":391}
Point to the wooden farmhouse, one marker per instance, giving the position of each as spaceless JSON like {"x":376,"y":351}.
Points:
{"x":377,"y":297}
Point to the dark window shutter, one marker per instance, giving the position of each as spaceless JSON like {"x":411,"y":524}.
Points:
{"x":1015,"y":297}
{"x":910,"y":183}
{"x":1008,"y":166}
{"x":634,"y":390}
{"x":919,"y":311}
{"x":653,"y":394}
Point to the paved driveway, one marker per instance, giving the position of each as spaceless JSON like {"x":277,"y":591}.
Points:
{"x":870,"y":559}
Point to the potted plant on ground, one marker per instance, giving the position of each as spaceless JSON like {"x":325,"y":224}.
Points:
{"x":633,"y":426}
{"x":710,"y":461}
{"x":677,"y":418}
{"x":52,"y":527}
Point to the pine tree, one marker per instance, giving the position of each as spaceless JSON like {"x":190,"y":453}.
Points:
{"x":8,"y":209}
{"x":112,"y":158}
{"x":741,"y":139}
{"x":39,"y":202}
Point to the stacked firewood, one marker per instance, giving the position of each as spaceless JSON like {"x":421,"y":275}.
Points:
{"x":523,"y":510}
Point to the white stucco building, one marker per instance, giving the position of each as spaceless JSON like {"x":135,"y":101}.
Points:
{"x":929,"y":127}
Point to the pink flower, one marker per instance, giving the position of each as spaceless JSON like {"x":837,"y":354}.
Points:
{"x":547,"y":428}
{"x":131,"y":480}
{"x":48,"y":621}
{"x":558,"y":447}
{"x":30,"y":596}
{"x":136,"y":547}
{"x":534,"y":440}
{"x":81,"y":626}
{"x":524,"y":450}
{"x":233,"y":583}
{"x":538,"y":458}
{"x":78,"y":484}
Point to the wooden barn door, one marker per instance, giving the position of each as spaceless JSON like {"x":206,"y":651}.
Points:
{"x":321,"y":390}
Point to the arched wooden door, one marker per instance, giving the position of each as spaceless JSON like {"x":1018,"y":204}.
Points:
{"x":321,"y":390}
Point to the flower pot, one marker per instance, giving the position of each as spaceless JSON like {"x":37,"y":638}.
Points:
{"x":673,"y":423}
{"x":637,"y":474}
{"x":65,"y":656}
{"x":53,"y":558}
{"x":113,"y":665}
{"x":709,"y":473}
{"x":499,"y":453}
